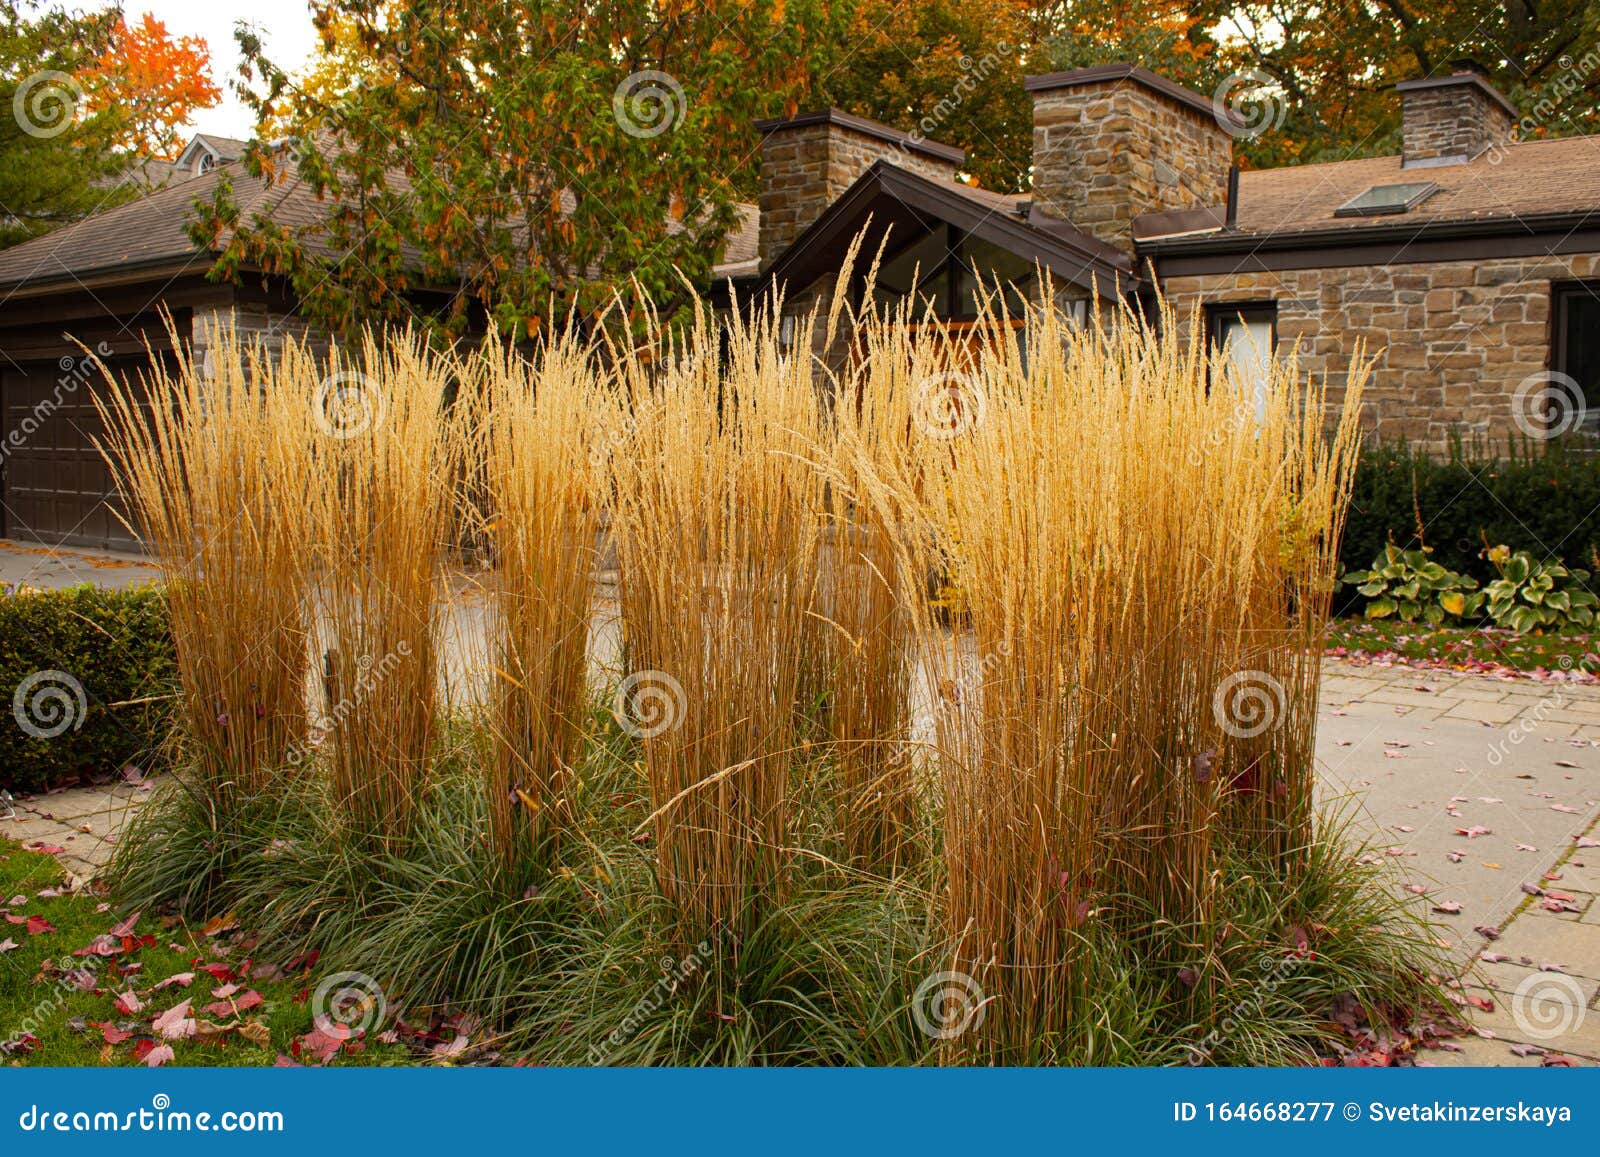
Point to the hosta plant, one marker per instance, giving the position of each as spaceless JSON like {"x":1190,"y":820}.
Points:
{"x":1410,"y":585}
{"x":1538,"y":596}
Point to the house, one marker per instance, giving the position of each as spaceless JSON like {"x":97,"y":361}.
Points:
{"x":1466,"y":265}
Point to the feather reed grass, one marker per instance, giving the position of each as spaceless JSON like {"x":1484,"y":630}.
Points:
{"x":217,"y":479}
{"x":539,"y":436}
{"x":716,"y":523}
{"x":387,"y":467}
{"x":1141,"y":547}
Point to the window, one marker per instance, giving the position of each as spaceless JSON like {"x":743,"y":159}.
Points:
{"x":1573,"y":392}
{"x":1246,"y":335}
{"x":1381,"y":199}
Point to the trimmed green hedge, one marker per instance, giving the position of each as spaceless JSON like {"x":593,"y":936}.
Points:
{"x":68,"y":659}
{"x":1542,"y":499}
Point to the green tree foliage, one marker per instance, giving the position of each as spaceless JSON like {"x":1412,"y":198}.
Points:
{"x":58,"y":160}
{"x":527,"y":155}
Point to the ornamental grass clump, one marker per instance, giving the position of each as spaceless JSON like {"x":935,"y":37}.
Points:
{"x":207,"y":452}
{"x":869,"y":636}
{"x":716,"y":524}
{"x":1144,"y":550}
{"x":539,"y":440}
{"x":386,"y":456}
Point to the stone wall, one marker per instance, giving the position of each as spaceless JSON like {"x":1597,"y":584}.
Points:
{"x":1106,"y":151}
{"x":1452,"y":341}
{"x":254,"y":321}
{"x":805,"y":167}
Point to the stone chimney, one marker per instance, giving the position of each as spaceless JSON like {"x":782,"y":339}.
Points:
{"x":1116,"y":141}
{"x":808,"y":160}
{"x":1449,"y":120}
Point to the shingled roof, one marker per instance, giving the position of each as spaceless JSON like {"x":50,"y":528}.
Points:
{"x":1516,"y":184}
{"x":148,"y":235}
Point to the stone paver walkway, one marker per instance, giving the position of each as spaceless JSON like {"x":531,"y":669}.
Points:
{"x":1478,"y":790}
{"x":81,"y":821}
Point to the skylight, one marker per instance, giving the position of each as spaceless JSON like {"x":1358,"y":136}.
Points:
{"x":1382,"y":199}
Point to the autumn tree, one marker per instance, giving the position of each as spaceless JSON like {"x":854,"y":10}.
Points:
{"x":151,"y":83}
{"x":949,"y":70}
{"x":1320,"y":73}
{"x":526,"y":155}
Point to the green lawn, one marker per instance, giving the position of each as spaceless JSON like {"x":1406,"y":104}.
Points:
{"x":244,"y":1011}
{"x":1464,"y":648}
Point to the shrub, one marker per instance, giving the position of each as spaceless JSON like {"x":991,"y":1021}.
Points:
{"x":96,"y":664}
{"x":1408,"y":584}
{"x":1544,"y":497}
{"x":1530,"y":595}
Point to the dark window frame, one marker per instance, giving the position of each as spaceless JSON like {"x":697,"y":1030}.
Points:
{"x":1558,"y":362}
{"x":1219,"y":313}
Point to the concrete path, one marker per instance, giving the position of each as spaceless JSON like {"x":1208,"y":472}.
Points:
{"x":23,"y":564}
{"x":1478,"y":790}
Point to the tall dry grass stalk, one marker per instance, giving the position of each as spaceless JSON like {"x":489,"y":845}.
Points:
{"x":1142,"y":554}
{"x":716,"y":522}
{"x":386,"y":467}
{"x":870,"y":637}
{"x":217,"y":477}
{"x":540,"y":441}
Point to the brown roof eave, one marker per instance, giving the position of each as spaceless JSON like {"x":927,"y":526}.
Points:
{"x":1245,"y":242}
{"x":1416,"y":243}
{"x":112,"y":276}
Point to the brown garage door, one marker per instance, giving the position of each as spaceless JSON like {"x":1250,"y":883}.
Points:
{"x":56,"y":488}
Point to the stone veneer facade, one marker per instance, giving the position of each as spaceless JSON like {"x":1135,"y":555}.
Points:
{"x":1106,"y":151}
{"x":806,"y":163}
{"x":1451,"y":118}
{"x":1451,"y":341}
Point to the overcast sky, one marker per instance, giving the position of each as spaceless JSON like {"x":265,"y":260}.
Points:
{"x":285,"y":26}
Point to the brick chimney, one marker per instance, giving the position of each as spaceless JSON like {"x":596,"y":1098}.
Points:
{"x":1449,"y":120}
{"x":1116,"y":141}
{"x":808,"y":160}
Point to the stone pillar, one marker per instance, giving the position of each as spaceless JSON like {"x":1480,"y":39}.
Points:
{"x":1449,"y":120}
{"x":808,"y":160}
{"x":1116,"y":141}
